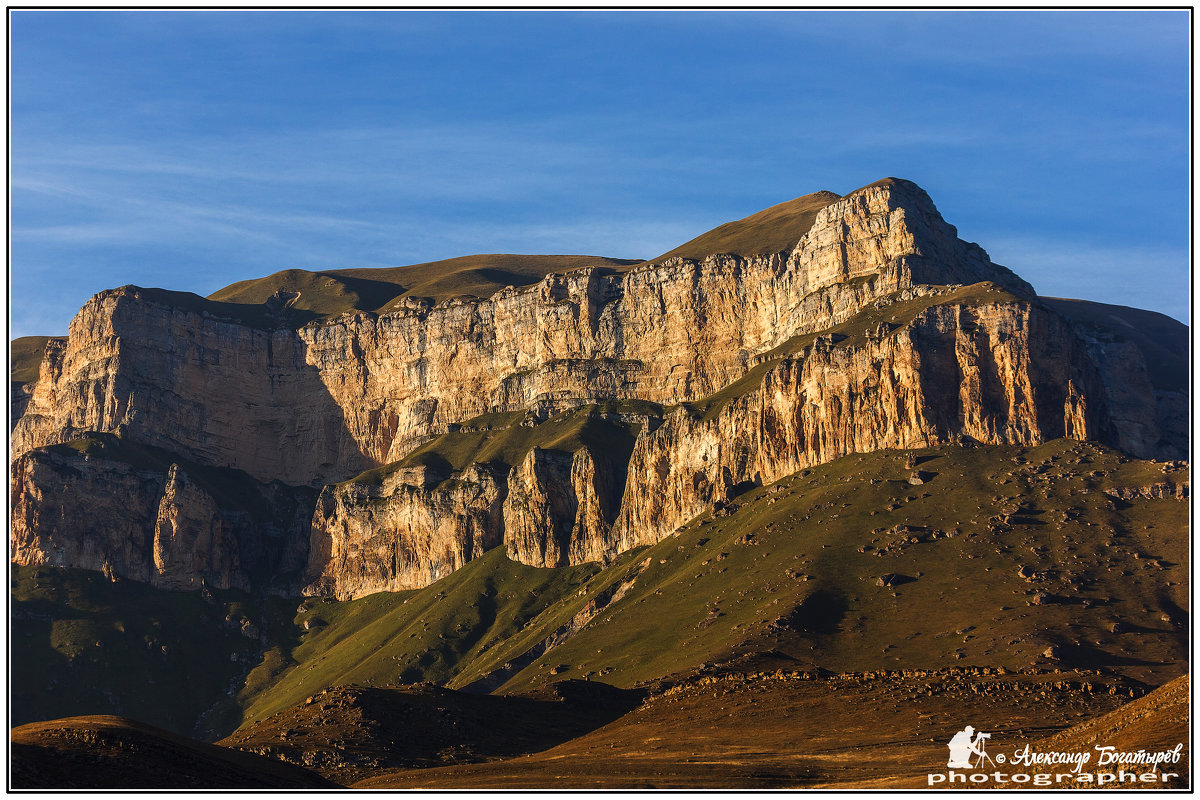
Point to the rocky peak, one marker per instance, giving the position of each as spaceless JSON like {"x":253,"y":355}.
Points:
{"x":819,"y":327}
{"x":892,"y":226}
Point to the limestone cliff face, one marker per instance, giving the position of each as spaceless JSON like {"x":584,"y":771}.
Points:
{"x":18,"y":401}
{"x":1148,"y":420}
{"x":560,"y":508}
{"x":883,"y":239}
{"x":405,"y":532}
{"x":155,"y":523}
{"x":878,"y":329}
{"x":1006,"y":373}
{"x":214,"y":392}
{"x":327,"y":401}
{"x":404,"y":527}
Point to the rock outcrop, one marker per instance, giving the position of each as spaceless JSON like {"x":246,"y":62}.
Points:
{"x":878,"y":329}
{"x":323,"y":403}
{"x":1005,"y":372}
{"x":560,"y":508}
{"x":548,"y":488}
{"x":134,"y":513}
{"x":404,"y":532}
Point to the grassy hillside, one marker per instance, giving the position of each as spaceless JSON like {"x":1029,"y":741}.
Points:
{"x":407,"y":637}
{"x":353,"y":732}
{"x":792,"y":578}
{"x":1156,"y":723}
{"x":109,"y":752}
{"x":773,"y":230}
{"x":788,"y":729}
{"x":25,"y":358}
{"x":795,"y":573}
{"x":318,"y":293}
{"x":1058,"y":556}
{"x":481,"y":275}
{"x":330,"y":292}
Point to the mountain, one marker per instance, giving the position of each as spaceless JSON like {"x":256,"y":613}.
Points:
{"x":569,"y":419}
{"x":828,"y":440}
{"x":297,"y":296}
{"x":777,"y":229}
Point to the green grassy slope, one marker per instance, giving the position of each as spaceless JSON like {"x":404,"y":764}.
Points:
{"x":795,"y":571}
{"x":408,"y":637}
{"x":791,"y":578}
{"x":1002,"y":554}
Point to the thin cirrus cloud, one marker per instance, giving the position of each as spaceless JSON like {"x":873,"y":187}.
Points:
{"x":365,"y":172}
{"x":194,"y":149}
{"x":190,"y":208}
{"x":368,"y":175}
{"x":1108,"y":274}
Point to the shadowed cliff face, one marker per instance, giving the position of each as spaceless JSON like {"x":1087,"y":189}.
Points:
{"x":878,"y":329}
{"x":138,"y":513}
{"x":216,"y":393}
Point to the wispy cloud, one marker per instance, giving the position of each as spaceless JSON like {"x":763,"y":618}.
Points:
{"x":198,"y":148}
{"x":1111,"y":273}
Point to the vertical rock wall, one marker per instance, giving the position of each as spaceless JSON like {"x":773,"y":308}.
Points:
{"x":763,"y":366}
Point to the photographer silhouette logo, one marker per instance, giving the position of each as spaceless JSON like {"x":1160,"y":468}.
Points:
{"x":967,"y":749}
{"x":970,"y":764}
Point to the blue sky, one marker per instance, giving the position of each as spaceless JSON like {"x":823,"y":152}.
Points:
{"x":191,"y":149}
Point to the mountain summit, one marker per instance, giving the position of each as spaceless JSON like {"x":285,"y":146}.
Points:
{"x":827,"y":468}
{"x":357,"y":431}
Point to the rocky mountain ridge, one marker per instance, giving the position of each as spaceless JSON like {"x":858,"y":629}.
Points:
{"x":570,"y":420}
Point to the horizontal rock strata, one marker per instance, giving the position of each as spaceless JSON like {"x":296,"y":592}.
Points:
{"x":435,"y":432}
{"x":327,"y":401}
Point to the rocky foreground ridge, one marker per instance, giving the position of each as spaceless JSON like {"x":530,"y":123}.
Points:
{"x":182,"y":441}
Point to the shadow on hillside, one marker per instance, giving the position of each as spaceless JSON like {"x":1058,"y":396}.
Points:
{"x":342,"y":731}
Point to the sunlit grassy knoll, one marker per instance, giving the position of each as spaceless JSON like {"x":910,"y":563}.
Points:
{"x":25,"y":358}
